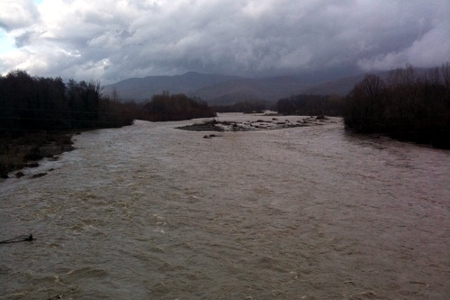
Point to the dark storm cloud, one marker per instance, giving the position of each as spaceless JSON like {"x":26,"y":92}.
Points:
{"x":113,"y":40}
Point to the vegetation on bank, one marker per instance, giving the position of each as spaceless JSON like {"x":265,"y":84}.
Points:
{"x":406,"y":106}
{"x":311,"y":105}
{"x":38,"y":115}
{"x":243,"y":106}
{"x":166,"y":107}
{"x":31,"y":104}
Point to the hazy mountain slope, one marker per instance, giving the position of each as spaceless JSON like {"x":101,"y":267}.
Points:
{"x":144,"y":88}
{"x":223,"y":89}
{"x":230,"y":91}
{"x":339,"y":87}
{"x":269,"y":89}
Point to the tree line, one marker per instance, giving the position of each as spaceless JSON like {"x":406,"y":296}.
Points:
{"x":309,"y":105}
{"x":48,"y":104}
{"x":166,"y":107}
{"x":30,"y":104}
{"x":38,"y":114}
{"x":406,"y":106}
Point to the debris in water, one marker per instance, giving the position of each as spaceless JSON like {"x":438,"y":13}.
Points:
{"x":22,"y":238}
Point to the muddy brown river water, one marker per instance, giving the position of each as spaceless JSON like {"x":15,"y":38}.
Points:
{"x":153,"y":212}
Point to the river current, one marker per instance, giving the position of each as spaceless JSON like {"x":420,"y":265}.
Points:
{"x":149,"y":211}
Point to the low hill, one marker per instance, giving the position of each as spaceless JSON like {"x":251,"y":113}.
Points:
{"x":141,"y":89}
{"x":219,"y":89}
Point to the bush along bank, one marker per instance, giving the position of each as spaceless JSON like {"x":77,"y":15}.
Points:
{"x":405,"y":106}
{"x":38,"y":116}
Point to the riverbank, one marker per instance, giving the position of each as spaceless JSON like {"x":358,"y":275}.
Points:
{"x":29,"y":149}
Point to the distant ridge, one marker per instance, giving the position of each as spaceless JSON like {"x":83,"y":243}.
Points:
{"x":219,"y":89}
{"x":141,"y":89}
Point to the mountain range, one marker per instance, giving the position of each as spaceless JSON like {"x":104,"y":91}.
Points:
{"x":219,"y":89}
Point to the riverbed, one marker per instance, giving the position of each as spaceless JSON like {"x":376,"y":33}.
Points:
{"x":149,"y":211}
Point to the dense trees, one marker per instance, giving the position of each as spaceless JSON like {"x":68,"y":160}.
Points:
{"x":364,"y":107}
{"x":308,"y":105}
{"x":405,"y":106}
{"x":83,"y":100}
{"x":166,"y":107}
{"x":37,"y":113}
{"x":35,"y":104}
{"x":48,"y":104}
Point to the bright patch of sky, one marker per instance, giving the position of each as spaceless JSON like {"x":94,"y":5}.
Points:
{"x":6,"y":42}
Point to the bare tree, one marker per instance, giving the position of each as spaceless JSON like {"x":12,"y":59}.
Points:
{"x":445,"y":71}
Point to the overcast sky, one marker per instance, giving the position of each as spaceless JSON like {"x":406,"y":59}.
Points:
{"x":111,"y":40}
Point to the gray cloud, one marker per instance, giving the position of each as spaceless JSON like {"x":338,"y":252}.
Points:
{"x":114,"y":40}
{"x":17,"y":14}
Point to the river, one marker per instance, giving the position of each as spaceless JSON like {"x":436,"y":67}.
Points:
{"x":149,"y":211}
